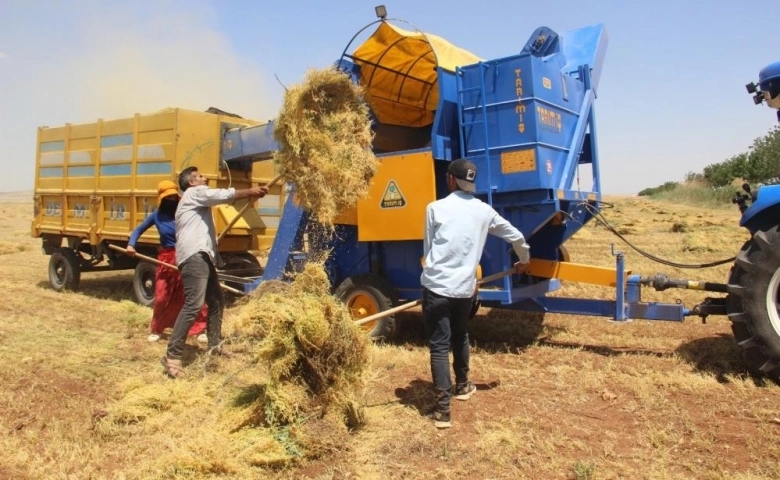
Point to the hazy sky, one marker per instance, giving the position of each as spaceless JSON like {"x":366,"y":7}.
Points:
{"x":671,"y":98}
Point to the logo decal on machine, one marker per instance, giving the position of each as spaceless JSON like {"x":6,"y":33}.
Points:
{"x":392,"y":198}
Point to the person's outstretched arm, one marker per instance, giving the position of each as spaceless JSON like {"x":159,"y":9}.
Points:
{"x":209,"y":197}
{"x":139,"y":230}
{"x":501,"y":228}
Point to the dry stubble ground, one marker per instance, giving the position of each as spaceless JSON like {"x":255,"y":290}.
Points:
{"x":559,"y":396}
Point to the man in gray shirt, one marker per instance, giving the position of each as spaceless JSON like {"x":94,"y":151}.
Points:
{"x":196,"y":257}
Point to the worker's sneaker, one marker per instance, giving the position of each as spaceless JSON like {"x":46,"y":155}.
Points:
{"x":440,"y":419}
{"x":203,"y":338}
{"x":153,"y":337}
{"x":465,"y":391}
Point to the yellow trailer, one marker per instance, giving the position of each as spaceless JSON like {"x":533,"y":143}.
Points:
{"x":95,"y":182}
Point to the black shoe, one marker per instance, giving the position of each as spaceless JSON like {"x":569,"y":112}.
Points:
{"x":440,"y":419}
{"x":465,"y":391}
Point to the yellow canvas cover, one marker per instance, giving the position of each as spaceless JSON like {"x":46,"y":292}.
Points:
{"x":398,"y":73}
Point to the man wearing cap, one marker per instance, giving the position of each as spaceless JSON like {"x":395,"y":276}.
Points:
{"x":456,"y":228}
{"x":168,"y":291}
{"x":196,"y":257}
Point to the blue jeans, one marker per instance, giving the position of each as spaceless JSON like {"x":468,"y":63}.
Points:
{"x":445,"y":327}
{"x":201,"y":284}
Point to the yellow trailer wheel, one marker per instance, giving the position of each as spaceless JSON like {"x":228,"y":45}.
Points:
{"x":367,"y":294}
{"x":64,"y":269}
{"x":143,"y":283}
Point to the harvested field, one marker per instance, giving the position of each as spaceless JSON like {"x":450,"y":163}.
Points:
{"x":559,"y":396}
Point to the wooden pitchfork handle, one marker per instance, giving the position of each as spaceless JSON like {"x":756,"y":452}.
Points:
{"x":144,"y":257}
{"x":246,"y":207}
{"x":407,"y":306}
{"x":164,"y":264}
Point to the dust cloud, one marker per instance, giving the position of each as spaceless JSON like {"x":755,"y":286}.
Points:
{"x":101,"y":62}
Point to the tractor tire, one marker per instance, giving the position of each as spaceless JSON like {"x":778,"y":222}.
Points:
{"x":366,"y":294}
{"x":143,"y":283}
{"x":64,"y":269}
{"x":752,"y":302}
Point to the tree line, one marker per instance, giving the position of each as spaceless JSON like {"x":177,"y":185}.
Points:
{"x":760,"y":164}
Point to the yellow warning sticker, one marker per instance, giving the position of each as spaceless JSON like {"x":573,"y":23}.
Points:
{"x":392,"y":198}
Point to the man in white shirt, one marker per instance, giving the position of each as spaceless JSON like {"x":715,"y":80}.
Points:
{"x":196,"y":257}
{"x":456,"y":228}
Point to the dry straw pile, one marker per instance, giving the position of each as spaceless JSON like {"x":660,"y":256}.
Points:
{"x":325,"y":136}
{"x":314,"y":354}
{"x":293,"y":395}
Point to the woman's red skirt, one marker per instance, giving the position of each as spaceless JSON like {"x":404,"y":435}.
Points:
{"x":169,"y":297}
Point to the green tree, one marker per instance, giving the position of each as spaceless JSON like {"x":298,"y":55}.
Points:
{"x":692,"y":177}
{"x":764,"y":157}
{"x":723,"y":173}
{"x":760,"y":164}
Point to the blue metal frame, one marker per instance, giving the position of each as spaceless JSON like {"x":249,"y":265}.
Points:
{"x":287,"y":250}
{"x":249,"y":143}
{"x":474,"y":116}
{"x":541,"y":202}
{"x":463,"y":123}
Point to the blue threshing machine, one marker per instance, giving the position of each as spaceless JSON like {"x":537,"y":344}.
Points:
{"x":527,"y":121}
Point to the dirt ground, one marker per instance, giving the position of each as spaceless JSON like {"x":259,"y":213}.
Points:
{"x":559,"y":396}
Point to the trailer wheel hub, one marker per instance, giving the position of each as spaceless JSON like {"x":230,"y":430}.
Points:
{"x":362,"y":305}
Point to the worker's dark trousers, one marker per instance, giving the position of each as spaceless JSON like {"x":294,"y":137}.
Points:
{"x":445,"y":327}
{"x":200,"y":281}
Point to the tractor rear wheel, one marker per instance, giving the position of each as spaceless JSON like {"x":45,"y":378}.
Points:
{"x":64,"y":269}
{"x":752,"y":304}
{"x":366,"y":294}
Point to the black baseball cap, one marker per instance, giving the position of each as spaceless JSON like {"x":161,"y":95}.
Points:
{"x":465,"y":173}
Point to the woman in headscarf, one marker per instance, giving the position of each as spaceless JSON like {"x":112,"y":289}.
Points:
{"x":168,"y":290}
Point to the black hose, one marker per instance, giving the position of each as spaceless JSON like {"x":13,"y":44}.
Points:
{"x":603,"y":221}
